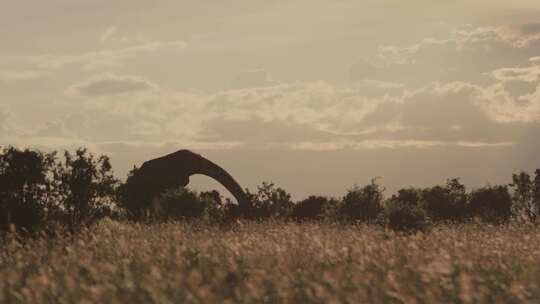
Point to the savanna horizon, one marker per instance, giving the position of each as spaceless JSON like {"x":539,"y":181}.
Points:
{"x":415,"y":93}
{"x":252,"y":151}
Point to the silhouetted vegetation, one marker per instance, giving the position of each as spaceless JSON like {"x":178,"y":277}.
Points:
{"x":177,"y":204}
{"x":526,"y":195}
{"x":492,"y":204}
{"x":25,"y":188}
{"x":404,"y":211}
{"x":41,"y":190}
{"x":362,"y":203}
{"x":38,"y":190}
{"x":270,"y":201}
{"x":86,"y":187}
{"x":130,"y":198}
{"x":446,"y":203}
{"x":315,"y":208}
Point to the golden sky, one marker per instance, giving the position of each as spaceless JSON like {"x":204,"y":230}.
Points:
{"x":313,"y":95}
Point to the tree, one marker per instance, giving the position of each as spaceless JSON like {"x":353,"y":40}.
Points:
{"x":363,"y":204}
{"x":536,"y":191}
{"x":447,"y":202}
{"x":215,"y":208}
{"x":270,"y":201}
{"x":523,"y":195}
{"x":177,"y":204}
{"x":313,"y":208}
{"x":492,"y":204}
{"x":24,"y":188}
{"x":128,"y":196}
{"x":404,"y":211}
{"x":86,"y":185}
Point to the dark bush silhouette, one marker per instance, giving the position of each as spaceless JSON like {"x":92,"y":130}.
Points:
{"x":86,"y":186}
{"x":404,"y":211}
{"x":215,"y":208}
{"x":492,"y":204}
{"x":130,"y":199}
{"x":362,"y":204}
{"x":524,"y":204}
{"x":37,"y":189}
{"x":25,"y":194}
{"x":446,"y":203}
{"x":270,"y":202}
{"x":313,"y":208}
{"x":177,"y":204}
{"x":536,"y":192}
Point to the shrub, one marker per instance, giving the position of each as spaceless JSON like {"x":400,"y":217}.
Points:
{"x":363,"y":204}
{"x":313,"y":208}
{"x":536,"y":192}
{"x":130,"y":197}
{"x":214,"y":207}
{"x":270,"y":201}
{"x":404,"y":211}
{"x":492,"y":204}
{"x":524,"y":204}
{"x":86,"y":186}
{"x":177,"y":204}
{"x":24,"y":188}
{"x":446,"y":203}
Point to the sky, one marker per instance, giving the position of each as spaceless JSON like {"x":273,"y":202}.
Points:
{"x":315,"y":96}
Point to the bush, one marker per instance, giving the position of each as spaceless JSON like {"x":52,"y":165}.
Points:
{"x":404,"y":211}
{"x":36,"y":188}
{"x":270,"y":202}
{"x":25,"y":194}
{"x":524,"y":204}
{"x":492,"y":204}
{"x":86,"y":186}
{"x":131,"y":197}
{"x":177,"y":204}
{"x":313,"y":208}
{"x":446,"y":203}
{"x":215,"y":209}
{"x":363,"y":204}
{"x":536,"y":192}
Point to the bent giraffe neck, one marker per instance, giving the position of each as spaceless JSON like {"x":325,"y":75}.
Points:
{"x":223,"y":177}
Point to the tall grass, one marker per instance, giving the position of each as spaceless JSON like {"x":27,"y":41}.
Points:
{"x":115,"y":262}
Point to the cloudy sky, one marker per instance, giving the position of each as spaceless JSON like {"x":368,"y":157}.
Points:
{"x":315,"y":95}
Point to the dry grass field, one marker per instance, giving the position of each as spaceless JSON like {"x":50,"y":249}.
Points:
{"x":274,"y":263}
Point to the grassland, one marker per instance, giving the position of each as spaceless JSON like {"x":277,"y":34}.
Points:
{"x":274,"y":262}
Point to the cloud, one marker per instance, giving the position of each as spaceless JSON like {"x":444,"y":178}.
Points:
{"x":111,"y":84}
{"x":516,"y":94}
{"x":316,"y":111}
{"x":467,"y":38}
{"x":494,"y":67}
{"x":95,"y":60}
{"x":486,"y":107}
{"x":5,"y":118}
{"x":505,"y":108}
{"x":525,"y":74}
{"x":108,"y":34}
{"x":531,"y":29}
{"x":468,"y":54}
{"x":9,"y":75}
{"x":9,"y":130}
{"x":518,"y":81}
{"x":307,"y":114}
{"x":113,"y":34}
{"x":381,"y":144}
{"x":253,"y":79}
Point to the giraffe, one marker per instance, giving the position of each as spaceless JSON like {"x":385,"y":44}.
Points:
{"x":174,"y":170}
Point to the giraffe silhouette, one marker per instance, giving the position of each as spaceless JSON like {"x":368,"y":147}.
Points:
{"x":174,"y":170}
